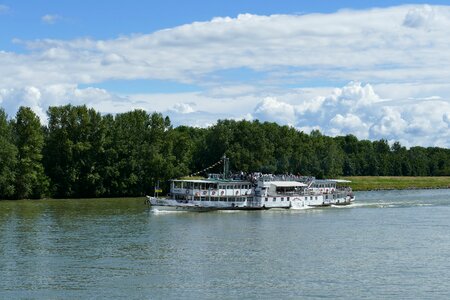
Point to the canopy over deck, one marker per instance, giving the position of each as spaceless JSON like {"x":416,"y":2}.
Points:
{"x":288,"y":184}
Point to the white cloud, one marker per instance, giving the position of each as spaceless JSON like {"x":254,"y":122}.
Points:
{"x":420,"y":17}
{"x":51,"y":19}
{"x":270,"y":109}
{"x":184,"y":108}
{"x":446,"y":118}
{"x":357,"y":109}
{"x":369,"y":45}
{"x":348,"y":123}
{"x":401,"y":51}
{"x":29,"y":96}
{"x":390,"y":125}
{"x":353,"y":109}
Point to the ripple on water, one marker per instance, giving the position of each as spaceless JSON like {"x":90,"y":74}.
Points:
{"x":387,"y":244}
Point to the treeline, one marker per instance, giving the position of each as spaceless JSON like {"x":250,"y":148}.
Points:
{"x":81,"y":153}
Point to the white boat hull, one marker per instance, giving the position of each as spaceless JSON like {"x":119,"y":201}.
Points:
{"x":199,"y":206}
{"x":163,"y":208}
{"x":296,"y":203}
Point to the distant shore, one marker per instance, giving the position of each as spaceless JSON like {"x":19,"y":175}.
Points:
{"x":372,"y":183}
{"x":358,"y":183}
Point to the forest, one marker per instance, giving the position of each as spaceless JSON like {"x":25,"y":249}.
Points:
{"x":80,"y":153}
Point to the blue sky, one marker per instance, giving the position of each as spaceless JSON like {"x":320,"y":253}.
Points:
{"x":108,"y":19}
{"x":376,"y":69}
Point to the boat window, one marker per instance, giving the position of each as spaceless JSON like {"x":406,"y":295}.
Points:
{"x":274,"y":199}
{"x":177,"y":184}
{"x":282,"y":199}
{"x":267,"y":199}
{"x":287,"y":199}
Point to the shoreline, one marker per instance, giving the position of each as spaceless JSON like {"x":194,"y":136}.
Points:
{"x":358,"y":184}
{"x":402,"y":189}
{"x":379,"y":183}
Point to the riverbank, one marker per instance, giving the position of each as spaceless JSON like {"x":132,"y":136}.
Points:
{"x":369,"y":183}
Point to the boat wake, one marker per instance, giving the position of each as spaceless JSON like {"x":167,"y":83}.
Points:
{"x":384,"y":204}
{"x":302,"y":208}
{"x":159,"y":211}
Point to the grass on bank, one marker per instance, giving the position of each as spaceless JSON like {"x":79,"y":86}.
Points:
{"x":367,"y":183}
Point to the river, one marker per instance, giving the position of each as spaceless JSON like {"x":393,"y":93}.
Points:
{"x":388,"y":244}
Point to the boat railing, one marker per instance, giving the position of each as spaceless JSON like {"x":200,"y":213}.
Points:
{"x":254,"y":177}
{"x":269,"y":177}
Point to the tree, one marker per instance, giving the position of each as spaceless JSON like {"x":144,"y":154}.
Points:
{"x":8,"y":152}
{"x":30,"y":179}
{"x":73,"y":151}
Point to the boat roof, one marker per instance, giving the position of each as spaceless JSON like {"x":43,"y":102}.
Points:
{"x":287,"y":183}
{"x":213,"y":181}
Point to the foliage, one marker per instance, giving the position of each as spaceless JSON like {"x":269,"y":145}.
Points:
{"x":8,"y":158}
{"x":30,"y":179}
{"x":81,"y":153}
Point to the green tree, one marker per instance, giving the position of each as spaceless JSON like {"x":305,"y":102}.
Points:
{"x":382,"y":152}
{"x":8,"y":154}
{"x":73,"y":151}
{"x":30,"y":179}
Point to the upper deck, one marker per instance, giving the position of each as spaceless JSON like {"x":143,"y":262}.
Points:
{"x":211,"y":187}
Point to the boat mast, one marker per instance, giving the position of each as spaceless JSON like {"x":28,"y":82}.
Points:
{"x":226,"y":166}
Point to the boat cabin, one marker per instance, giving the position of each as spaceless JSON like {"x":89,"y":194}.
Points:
{"x":210,"y":190}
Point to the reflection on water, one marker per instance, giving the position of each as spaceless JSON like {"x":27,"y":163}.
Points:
{"x":388,"y":244}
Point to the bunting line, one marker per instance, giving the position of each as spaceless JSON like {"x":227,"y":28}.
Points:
{"x":206,"y":169}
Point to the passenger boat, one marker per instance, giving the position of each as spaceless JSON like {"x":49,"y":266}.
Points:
{"x":251,"y":192}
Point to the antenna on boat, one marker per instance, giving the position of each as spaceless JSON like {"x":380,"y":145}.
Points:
{"x":226,"y":166}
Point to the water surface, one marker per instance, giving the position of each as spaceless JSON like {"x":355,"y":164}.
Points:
{"x":389,"y":244}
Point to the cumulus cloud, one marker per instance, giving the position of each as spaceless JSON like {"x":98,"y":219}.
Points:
{"x":270,"y":109}
{"x":420,"y":17}
{"x":335,"y":114}
{"x":373,"y":45}
{"x":390,"y":125}
{"x":51,"y":19}
{"x":349,"y":123}
{"x":184,"y":108}
{"x":40,"y":98}
{"x":357,"y":109}
{"x":407,"y":98}
{"x":446,"y":119}
{"x":12,"y":99}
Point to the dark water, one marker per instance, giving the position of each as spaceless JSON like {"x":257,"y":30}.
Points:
{"x":387,"y":245}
